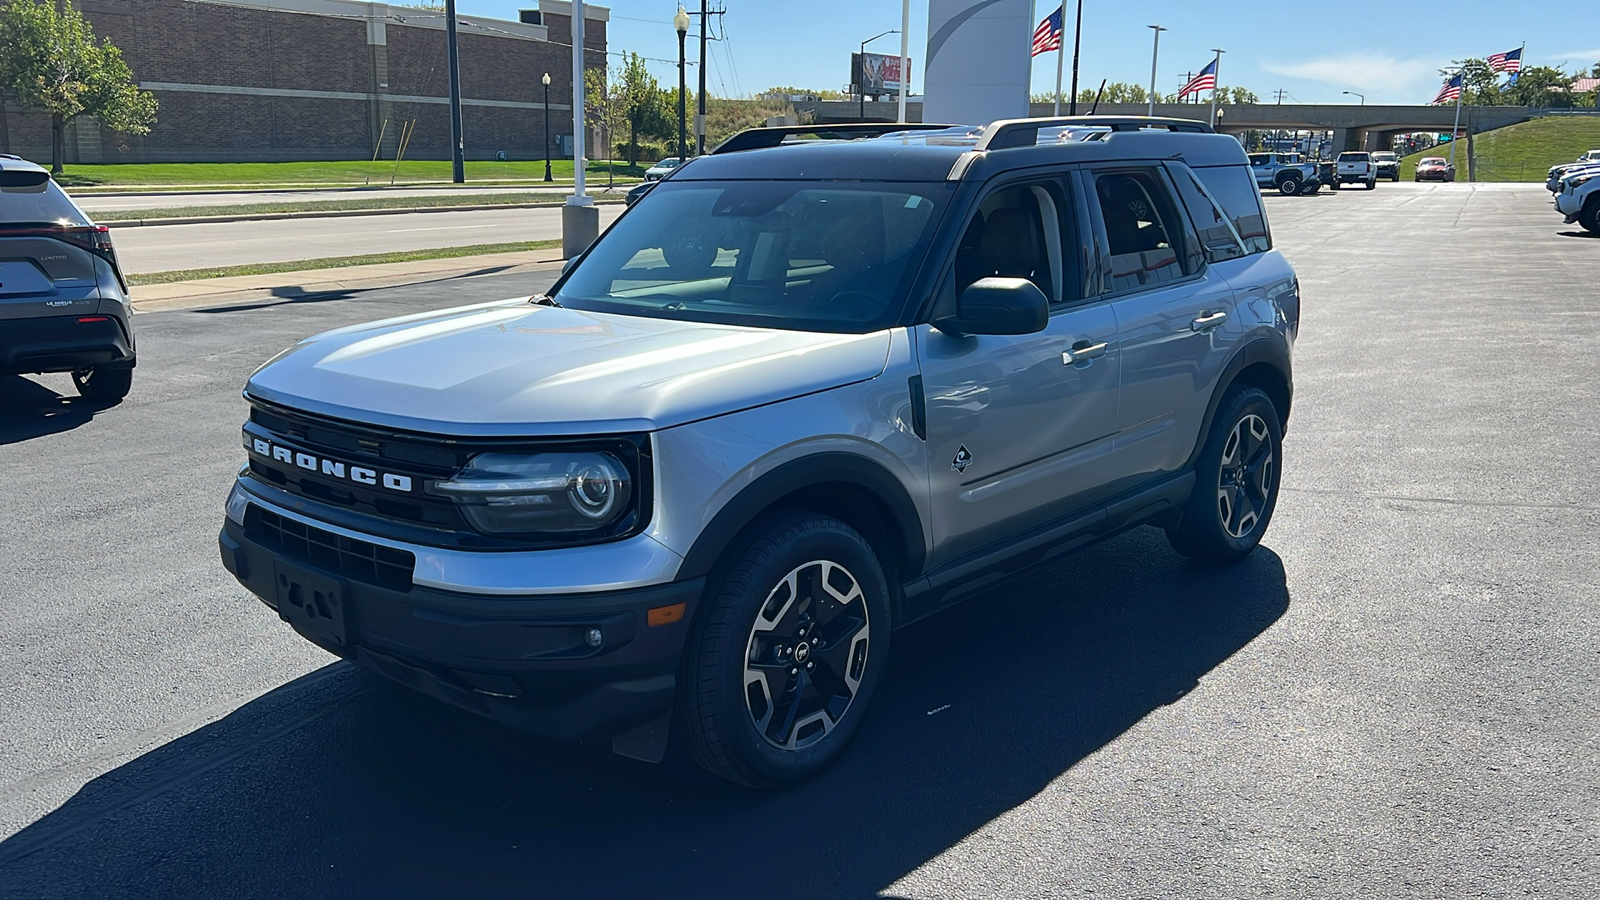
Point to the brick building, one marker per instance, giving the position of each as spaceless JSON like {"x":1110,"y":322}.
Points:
{"x":266,"y":80}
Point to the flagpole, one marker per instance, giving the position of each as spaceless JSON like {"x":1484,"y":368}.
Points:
{"x":1216,"y":74}
{"x":1061,"y":52}
{"x":1077,"y":34}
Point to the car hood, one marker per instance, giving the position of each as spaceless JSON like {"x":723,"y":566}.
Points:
{"x":513,"y":368}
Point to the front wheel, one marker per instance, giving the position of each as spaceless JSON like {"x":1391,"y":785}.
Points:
{"x":103,"y":384}
{"x":1589,"y":217}
{"x":785,"y":658}
{"x":1236,"y":481}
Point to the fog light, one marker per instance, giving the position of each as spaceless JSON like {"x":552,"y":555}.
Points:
{"x":593,"y":637}
{"x":238,"y":502}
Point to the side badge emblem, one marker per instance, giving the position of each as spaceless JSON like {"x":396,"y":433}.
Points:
{"x":962,"y":460}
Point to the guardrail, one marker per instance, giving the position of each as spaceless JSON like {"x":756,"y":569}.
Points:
{"x":1536,"y":112}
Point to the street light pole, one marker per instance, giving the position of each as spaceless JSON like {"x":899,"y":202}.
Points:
{"x":861,"y":73}
{"x":1216,"y":73}
{"x":1357,"y":94}
{"x":681,"y":23}
{"x":458,"y":167}
{"x":546,"y":81}
{"x":1155,"y":53}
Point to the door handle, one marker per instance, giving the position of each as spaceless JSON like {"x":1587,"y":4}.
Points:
{"x":1083,"y":351}
{"x":1208,"y":320}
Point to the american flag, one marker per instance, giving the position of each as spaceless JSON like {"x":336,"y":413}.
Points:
{"x":1205,"y":81}
{"x":1509,"y":61}
{"x":1451,"y":90}
{"x":1047,"y":36}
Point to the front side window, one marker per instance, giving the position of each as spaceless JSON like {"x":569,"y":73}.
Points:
{"x":1141,"y":228}
{"x":1018,"y":232}
{"x":802,"y":255}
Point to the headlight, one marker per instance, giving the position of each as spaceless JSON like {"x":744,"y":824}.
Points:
{"x":559,"y":493}
{"x":1579,"y":180}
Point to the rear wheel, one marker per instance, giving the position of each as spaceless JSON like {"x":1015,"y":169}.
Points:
{"x":103,"y":384}
{"x":1372,"y":184}
{"x":1289,"y":185}
{"x":1236,"y":481}
{"x":792,"y":644}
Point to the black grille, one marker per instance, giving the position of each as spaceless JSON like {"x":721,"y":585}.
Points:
{"x":351,"y":558}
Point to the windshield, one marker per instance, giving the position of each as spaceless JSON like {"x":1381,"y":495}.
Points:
{"x":1384,"y":157}
{"x":801,"y":255}
{"x":1432,"y":161}
{"x":670,"y":162}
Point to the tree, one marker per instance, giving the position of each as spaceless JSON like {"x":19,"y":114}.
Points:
{"x":642,"y":102}
{"x":784,"y":93}
{"x":49,"y":60}
{"x":1240,"y":95}
{"x":603,"y":108}
{"x":1541,"y":86}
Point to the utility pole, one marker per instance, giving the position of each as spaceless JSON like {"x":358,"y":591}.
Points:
{"x":458,"y":167}
{"x":700,"y":115}
{"x":1077,"y":38}
{"x":1183,"y":83}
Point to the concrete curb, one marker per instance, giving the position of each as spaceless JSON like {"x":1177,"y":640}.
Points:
{"x":291,"y":286}
{"x":331,"y":214}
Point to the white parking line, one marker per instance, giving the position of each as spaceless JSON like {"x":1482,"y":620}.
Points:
{"x":441,"y":228}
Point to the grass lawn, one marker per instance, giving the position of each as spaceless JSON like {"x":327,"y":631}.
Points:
{"x":1521,"y":152}
{"x":463,"y":199}
{"x":334,"y":172}
{"x":334,"y":262}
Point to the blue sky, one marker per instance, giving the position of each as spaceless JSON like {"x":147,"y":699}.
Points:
{"x":1391,"y":54}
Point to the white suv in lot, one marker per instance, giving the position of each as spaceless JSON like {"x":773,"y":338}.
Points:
{"x":811,"y":390}
{"x":1579,"y":198}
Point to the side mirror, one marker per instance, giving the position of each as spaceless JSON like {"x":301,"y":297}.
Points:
{"x":567,"y":266}
{"x":996,"y":305}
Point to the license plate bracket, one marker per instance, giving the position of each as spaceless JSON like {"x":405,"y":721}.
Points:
{"x":312,"y":603}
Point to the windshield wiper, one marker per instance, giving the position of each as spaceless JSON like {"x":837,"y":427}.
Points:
{"x":544,"y":300}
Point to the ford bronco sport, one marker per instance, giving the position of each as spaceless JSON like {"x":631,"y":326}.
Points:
{"x":812,"y":390}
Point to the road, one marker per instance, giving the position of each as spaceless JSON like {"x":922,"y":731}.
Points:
{"x":165,"y":248}
{"x":1397,"y":696}
{"x":178,"y":198}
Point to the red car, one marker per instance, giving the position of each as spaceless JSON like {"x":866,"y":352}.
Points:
{"x":1435,"y":168}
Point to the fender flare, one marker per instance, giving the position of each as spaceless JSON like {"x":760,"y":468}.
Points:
{"x":787,"y":478}
{"x":1274,"y":352}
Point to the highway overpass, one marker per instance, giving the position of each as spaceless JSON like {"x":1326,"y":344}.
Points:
{"x":1353,"y":127}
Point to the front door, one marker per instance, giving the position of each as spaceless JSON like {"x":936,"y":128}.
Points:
{"x":1019,"y":427}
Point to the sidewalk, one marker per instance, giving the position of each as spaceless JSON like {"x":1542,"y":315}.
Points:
{"x":244,"y":289}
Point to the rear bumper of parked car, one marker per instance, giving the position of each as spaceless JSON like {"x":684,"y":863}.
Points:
{"x":63,"y":344}
{"x":533,"y":662}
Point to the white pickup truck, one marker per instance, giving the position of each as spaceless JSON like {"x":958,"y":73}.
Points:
{"x":1355,"y":166}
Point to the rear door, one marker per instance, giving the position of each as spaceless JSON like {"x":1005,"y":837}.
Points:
{"x":41,"y":275}
{"x":1173,"y":311}
{"x":1019,"y":427}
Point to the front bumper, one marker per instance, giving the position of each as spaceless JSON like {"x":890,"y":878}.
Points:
{"x":527,"y":661}
{"x":63,"y":344}
{"x":1568,"y":205}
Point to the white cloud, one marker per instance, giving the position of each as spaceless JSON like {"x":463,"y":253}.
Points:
{"x":1383,"y":76}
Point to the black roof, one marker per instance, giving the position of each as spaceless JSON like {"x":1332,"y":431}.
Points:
{"x":931,"y":153}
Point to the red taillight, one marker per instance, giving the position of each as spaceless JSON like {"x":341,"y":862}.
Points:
{"x":87,"y":319}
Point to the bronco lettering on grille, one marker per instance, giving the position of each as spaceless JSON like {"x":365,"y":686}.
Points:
{"x":331,"y":468}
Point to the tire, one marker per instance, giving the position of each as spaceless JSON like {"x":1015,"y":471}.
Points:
{"x":799,"y":576}
{"x":1372,"y":184}
{"x":1289,"y":185}
{"x":1589,"y":217}
{"x":1236,"y":481}
{"x":1395,"y":177}
{"x":103,"y":384}
{"x":1334,"y":184}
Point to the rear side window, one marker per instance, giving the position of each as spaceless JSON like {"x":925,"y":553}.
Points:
{"x":1142,"y":229}
{"x":1236,"y":190}
{"x":1212,"y":226}
{"x":31,"y":198}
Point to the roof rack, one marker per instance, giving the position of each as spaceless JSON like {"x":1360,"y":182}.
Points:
{"x":1025,"y":132}
{"x":759,"y":138}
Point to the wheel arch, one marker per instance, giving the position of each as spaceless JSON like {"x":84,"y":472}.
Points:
{"x":1263,"y":363}
{"x":855,"y":490}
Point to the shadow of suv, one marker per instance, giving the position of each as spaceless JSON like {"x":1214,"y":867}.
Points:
{"x":827,"y":381}
{"x":64,"y":304}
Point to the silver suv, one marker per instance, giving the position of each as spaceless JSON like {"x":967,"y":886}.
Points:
{"x":811,"y":391}
{"x":64,"y":305}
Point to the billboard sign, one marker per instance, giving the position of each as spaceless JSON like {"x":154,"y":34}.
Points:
{"x":881,"y":75}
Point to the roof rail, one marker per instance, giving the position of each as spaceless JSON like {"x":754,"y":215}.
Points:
{"x":1025,"y":132}
{"x":759,"y":138}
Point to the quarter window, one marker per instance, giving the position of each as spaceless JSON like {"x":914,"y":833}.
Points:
{"x":1216,"y":234}
{"x":1236,"y":190}
{"x":1141,"y":229}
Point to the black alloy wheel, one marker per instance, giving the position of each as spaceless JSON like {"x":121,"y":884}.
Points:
{"x":1236,"y":481}
{"x":787,"y":652}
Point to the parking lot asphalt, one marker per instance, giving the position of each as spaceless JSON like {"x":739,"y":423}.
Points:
{"x":1395,"y":697}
